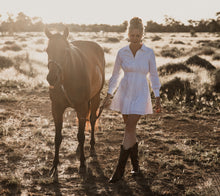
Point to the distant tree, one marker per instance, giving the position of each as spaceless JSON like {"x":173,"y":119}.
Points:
{"x":23,"y":22}
{"x":154,"y":27}
{"x":8,"y":25}
{"x":37,"y":24}
{"x":213,"y":26}
{"x":218,"y":19}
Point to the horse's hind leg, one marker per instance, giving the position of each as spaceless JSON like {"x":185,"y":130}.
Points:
{"x":57,"y":113}
{"x":93,"y":117}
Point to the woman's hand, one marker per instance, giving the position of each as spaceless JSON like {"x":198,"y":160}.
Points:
{"x":107,"y":101}
{"x":158,"y":105}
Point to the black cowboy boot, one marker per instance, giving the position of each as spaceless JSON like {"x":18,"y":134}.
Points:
{"x":119,"y":172}
{"x":134,"y":159}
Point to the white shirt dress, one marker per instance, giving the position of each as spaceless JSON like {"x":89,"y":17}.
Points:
{"x":133,"y":94}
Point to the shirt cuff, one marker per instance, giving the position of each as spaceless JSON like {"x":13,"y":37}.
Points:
{"x":157,"y":92}
{"x":110,"y":92}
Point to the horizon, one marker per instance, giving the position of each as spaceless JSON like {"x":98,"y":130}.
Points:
{"x":111,"y":12}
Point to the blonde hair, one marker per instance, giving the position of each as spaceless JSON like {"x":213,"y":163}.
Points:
{"x":136,"y":23}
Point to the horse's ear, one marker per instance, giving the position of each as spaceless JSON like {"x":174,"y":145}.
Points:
{"x":66,"y":33}
{"x":48,"y":33}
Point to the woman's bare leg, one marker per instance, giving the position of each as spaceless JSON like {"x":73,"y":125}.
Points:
{"x":131,"y":121}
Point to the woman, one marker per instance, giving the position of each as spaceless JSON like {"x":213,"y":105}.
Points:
{"x":132,"y":98}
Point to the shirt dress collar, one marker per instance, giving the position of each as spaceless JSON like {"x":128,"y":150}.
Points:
{"x":143,"y":48}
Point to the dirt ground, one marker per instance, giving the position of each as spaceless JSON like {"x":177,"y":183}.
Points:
{"x":179,"y":151}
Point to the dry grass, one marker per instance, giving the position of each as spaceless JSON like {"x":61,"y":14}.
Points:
{"x":178,"y":149}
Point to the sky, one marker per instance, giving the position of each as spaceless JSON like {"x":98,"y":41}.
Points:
{"x":110,"y":11}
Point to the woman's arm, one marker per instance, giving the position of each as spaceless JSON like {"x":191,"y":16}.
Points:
{"x":116,"y":76}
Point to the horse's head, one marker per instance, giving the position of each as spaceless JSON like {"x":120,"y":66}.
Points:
{"x":56,"y":51}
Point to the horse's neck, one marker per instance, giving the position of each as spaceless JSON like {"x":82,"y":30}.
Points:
{"x":74,"y":66}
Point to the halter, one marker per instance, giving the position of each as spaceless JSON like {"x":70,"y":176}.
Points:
{"x":61,"y":83}
{"x":63,"y":89}
{"x":54,"y":62}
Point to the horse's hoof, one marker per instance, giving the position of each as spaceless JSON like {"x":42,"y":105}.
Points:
{"x":53,"y":172}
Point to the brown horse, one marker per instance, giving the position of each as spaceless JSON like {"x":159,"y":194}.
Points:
{"x":76,"y":77}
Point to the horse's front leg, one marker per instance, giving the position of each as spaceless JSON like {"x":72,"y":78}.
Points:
{"x":93,"y":117}
{"x":57,"y":113}
{"x":82,"y":112}
{"x":81,"y":139}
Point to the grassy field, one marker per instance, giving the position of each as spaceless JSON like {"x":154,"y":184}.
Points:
{"x":179,"y":148}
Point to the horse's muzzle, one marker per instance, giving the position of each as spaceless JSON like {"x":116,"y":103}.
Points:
{"x":52,"y":79}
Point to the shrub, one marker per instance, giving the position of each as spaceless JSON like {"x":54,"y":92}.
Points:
{"x":172,"y":52}
{"x":193,"y":33}
{"x":172,"y":68}
{"x":207,"y":51}
{"x":13,"y":47}
{"x":112,"y":39}
{"x":156,"y":38}
{"x":178,"y":42}
{"x":217,"y":81}
{"x":216,"y":57}
{"x":11,"y":184}
{"x":5,"y":62}
{"x":196,"y":60}
{"x":209,"y":43}
{"x":9,"y":42}
{"x":22,"y":39}
{"x":177,"y":88}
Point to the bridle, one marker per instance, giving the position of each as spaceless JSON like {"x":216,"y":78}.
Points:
{"x":61,"y":80}
{"x":51,"y":61}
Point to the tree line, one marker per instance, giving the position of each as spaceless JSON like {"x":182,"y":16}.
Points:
{"x":24,"y":23}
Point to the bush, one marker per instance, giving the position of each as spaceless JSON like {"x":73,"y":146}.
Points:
{"x":172,"y":52}
{"x":156,"y":38}
{"x":196,"y":60}
{"x":13,"y":47}
{"x":172,"y":68}
{"x":9,"y":42}
{"x":178,"y":42}
{"x":5,"y":62}
{"x":209,"y":43}
{"x":178,"y":89}
{"x":216,"y":57}
{"x":112,"y":39}
{"x":11,"y":185}
{"x":207,"y":51}
{"x":217,"y":81}
{"x":193,"y":33}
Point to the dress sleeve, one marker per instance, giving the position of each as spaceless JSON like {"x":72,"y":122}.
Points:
{"x":116,"y":75}
{"x":154,"y":78}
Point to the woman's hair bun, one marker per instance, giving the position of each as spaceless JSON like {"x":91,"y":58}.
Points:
{"x":136,"y":23}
